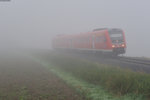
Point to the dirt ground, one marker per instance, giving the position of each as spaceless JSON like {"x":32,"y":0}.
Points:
{"x":23,"y":79}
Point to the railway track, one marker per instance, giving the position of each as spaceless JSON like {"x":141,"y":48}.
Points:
{"x":135,"y":60}
{"x":135,"y":64}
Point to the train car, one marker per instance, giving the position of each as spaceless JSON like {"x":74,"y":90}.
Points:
{"x":103,"y":40}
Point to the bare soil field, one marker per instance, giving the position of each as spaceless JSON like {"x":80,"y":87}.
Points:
{"x":23,"y":79}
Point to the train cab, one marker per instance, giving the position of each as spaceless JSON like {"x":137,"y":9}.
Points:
{"x":118,"y":43}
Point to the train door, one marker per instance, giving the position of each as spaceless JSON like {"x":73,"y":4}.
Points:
{"x":93,"y":42}
{"x":70,"y":43}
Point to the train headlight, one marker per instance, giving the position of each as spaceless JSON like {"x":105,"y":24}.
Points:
{"x":113,"y":46}
{"x":123,"y":45}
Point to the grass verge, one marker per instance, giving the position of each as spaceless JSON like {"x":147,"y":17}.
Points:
{"x":90,"y":91}
{"x":93,"y":79}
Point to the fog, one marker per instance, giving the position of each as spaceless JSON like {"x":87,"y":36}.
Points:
{"x":33,"y":23}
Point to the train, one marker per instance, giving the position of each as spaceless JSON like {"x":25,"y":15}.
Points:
{"x":102,"y":40}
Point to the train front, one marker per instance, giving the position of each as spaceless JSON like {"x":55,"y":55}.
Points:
{"x":118,"y":43}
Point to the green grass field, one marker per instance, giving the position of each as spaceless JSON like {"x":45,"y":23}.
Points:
{"x":118,"y":82}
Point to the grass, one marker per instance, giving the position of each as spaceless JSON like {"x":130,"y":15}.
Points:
{"x":90,"y":91}
{"x":19,"y":93}
{"x":119,"y":82}
{"x":24,"y":93}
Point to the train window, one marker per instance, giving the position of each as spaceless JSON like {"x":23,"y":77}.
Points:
{"x":87,"y":40}
{"x":79,"y":41}
{"x":70,"y":43}
{"x":100,"y":39}
{"x":97,"y":39}
{"x":115,"y":35}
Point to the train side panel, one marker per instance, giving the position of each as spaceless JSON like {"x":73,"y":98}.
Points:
{"x":99,"y":41}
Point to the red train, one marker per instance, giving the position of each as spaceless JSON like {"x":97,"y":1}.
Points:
{"x":103,"y":40}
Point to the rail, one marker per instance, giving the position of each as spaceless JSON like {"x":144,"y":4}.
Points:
{"x":135,"y":60}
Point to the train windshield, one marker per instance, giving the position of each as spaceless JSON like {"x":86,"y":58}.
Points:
{"x":116,"y":36}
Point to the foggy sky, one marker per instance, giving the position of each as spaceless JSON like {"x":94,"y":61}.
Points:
{"x":33,"y":23}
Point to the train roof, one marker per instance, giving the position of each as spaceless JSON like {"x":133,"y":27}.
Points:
{"x":99,"y":29}
{"x":94,"y":31}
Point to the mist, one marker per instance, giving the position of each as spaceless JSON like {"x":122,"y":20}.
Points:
{"x":33,"y":24}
